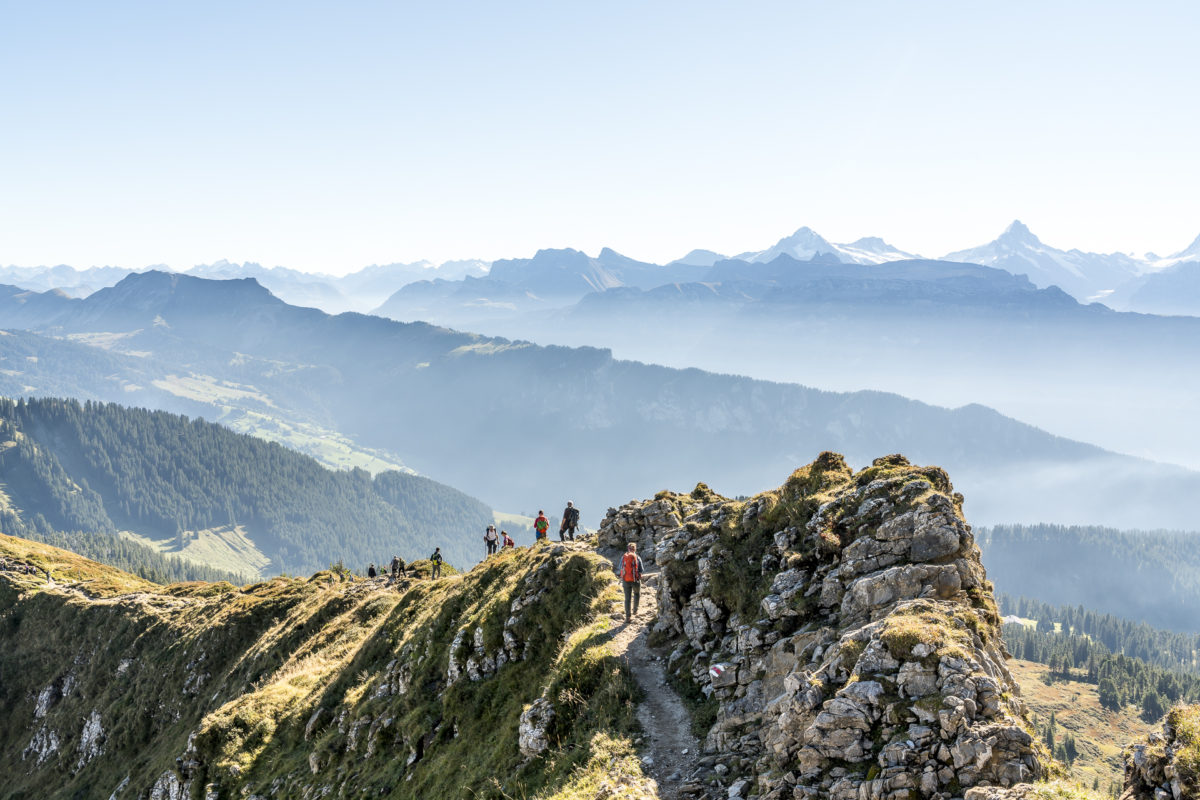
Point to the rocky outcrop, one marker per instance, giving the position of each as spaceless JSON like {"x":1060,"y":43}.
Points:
{"x":91,"y":740}
{"x":531,"y":735}
{"x":839,"y":632}
{"x":1167,"y":765}
{"x":42,"y":746}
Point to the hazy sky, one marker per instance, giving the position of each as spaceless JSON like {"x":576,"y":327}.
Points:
{"x":330,"y":136}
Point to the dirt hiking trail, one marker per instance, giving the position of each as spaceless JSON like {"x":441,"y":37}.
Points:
{"x":670,"y":751}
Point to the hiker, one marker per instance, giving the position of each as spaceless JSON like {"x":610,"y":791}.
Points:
{"x":506,"y":539}
{"x":570,"y":520}
{"x":491,"y":540}
{"x":540,"y":526}
{"x":371,"y":573}
{"x":436,"y":561}
{"x":630,"y":574}
{"x":397,"y":565}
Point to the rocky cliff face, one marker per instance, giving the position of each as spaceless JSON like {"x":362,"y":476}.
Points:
{"x":1167,"y":765}
{"x":838,"y":635}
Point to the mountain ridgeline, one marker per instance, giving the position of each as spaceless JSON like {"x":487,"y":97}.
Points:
{"x":186,"y":485}
{"x":524,"y":426}
{"x":832,"y":638}
{"x":939,"y":331}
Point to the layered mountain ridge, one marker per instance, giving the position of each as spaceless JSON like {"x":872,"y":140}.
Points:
{"x":452,"y":403}
{"x":1113,"y":277}
{"x":834,"y":638}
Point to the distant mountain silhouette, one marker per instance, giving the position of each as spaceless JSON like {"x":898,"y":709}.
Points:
{"x":525,"y":426}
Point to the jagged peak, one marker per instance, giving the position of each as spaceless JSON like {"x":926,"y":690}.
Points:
{"x":1017,"y":231}
{"x":805,"y":234}
{"x":1192,"y":249}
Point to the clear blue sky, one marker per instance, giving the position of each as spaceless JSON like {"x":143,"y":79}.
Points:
{"x":329,"y":136}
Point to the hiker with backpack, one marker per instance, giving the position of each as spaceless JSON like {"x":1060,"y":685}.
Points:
{"x":436,"y":561}
{"x":371,"y":573}
{"x":630,"y":573}
{"x":570,"y":520}
{"x":506,"y":539}
{"x":397,"y":566}
{"x":491,"y":540}
{"x":541,"y":526}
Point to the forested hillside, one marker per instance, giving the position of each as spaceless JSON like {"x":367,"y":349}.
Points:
{"x":104,"y":468}
{"x":1075,"y":649}
{"x":1169,"y":649}
{"x":1151,"y":576}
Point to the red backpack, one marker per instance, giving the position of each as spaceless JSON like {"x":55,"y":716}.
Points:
{"x":631,"y":569}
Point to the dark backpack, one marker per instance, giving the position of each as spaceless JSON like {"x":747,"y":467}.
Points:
{"x":572,"y":516}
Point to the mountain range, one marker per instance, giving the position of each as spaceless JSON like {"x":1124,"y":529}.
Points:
{"x":979,"y":334}
{"x":803,"y":245}
{"x":360,"y":291}
{"x":525,"y":426}
{"x":1113,"y":278}
{"x":1107,"y":277}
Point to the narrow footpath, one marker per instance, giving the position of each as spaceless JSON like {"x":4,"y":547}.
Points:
{"x":669,"y":749}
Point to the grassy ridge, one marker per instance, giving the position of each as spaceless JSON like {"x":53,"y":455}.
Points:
{"x":279,"y":678}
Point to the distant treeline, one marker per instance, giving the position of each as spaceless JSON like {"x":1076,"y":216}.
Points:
{"x":1153,"y":576}
{"x":1099,"y":649}
{"x":1168,"y":649}
{"x":101,"y":467}
{"x":136,"y":558}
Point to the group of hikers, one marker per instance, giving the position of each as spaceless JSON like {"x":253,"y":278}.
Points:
{"x":493,"y":541}
{"x":629,"y":568}
{"x":21,"y":568}
{"x":399,"y":568}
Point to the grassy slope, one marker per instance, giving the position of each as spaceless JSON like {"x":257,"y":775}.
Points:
{"x":1099,"y":734}
{"x":247,"y":668}
{"x":227,"y":548}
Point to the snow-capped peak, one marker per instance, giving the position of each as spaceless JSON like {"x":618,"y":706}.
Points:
{"x":1084,"y":275}
{"x":871,"y":250}
{"x":1017,"y":233}
{"x":1189,"y":253}
{"x":801,"y":245}
{"x":806,"y":243}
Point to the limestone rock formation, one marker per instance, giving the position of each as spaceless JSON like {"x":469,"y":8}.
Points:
{"x":532,"y":732}
{"x":840,"y":633}
{"x":1167,"y":765}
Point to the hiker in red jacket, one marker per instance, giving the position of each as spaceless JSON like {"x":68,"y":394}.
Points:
{"x":541,"y":526}
{"x":630,"y":573}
